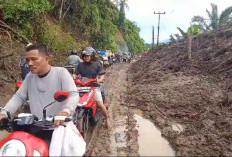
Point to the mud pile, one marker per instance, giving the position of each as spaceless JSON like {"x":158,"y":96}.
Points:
{"x":195,"y":93}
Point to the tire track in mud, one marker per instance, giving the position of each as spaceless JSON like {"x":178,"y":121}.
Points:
{"x":122,"y":140}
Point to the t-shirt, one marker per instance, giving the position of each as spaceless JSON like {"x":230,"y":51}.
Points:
{"x":40,"y":92}
{"x":90,"y":70}
{"x":74,"y":60}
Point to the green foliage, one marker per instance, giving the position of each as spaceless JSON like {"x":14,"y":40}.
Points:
{"x":122,"y":16}
{"x":93,"y":20}
{"x":213,"y":19}
{"x":225,"y":16}
{"x":182,"y":32}
{"x":134,"y":42}
{"x":57,"y":40}
{"x":193,"y":30}
{"x":213,"y":16}
{"x":19,"y":12}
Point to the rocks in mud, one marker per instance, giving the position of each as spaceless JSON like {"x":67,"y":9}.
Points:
{"x":132,"y":135}
{"x":168,"y":132}
{"x":208,"y":123}
{"x":132,"y":105}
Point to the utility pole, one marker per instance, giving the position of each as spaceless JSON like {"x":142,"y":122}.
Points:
{"x":158,"y":25}
{"x":153,"y":38}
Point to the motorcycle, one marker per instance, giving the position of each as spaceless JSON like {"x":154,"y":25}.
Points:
{"x":87,"y":113}
{"x":29,"y":136}
{"x":70,"y":68}
{"x":105,"y":61}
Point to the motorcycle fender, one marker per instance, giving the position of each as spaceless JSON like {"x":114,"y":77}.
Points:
{"x":30,"y":141}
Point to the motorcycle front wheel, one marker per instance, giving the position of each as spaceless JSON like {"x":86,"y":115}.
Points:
{"x":83,"y":125}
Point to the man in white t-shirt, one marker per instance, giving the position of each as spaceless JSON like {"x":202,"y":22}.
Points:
{"x":41,"y":84}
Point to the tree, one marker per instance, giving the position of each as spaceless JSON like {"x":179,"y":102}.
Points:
{"x":193,"y":30}
{"x":122,"y":16}
{"x":214,"y":20}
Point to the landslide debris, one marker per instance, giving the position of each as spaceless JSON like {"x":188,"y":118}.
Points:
{"x":195,"y":93}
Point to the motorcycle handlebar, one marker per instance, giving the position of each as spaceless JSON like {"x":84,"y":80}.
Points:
{"x":3,"y":123}
{"x":88,"y":82}
{"x":65,"y":118}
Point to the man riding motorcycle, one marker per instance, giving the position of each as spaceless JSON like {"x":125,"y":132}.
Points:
{"x":40,"y":85}
{"x":93,"y":69}
{"x":74,"y":59}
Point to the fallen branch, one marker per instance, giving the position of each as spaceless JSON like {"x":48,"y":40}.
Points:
{"x":67,"y":9}
{"x":3,"y":24}
{"x":159,"y":110}
{"x":5,"y":56}
{"x":6,"y":80}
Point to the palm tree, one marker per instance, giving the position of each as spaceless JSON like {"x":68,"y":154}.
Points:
{"x":122,"y":16}
{"x":214,"y":20}
{"x":121,"y":2}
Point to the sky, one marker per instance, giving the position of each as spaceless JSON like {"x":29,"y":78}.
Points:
{"x":178,"y":13}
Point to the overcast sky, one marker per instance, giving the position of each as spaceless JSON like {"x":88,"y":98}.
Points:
{"x":178,"y":14}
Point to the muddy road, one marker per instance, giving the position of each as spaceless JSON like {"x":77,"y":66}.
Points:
{"x":132,"y":135}
{"x":191,"y":109}
{"x":122,"y":140}
{"x":191,"y":113}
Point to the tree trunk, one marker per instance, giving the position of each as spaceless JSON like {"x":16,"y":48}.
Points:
{"x":61,"y":9}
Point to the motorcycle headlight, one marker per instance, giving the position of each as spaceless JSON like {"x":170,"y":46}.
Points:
{"x":13,"y":148}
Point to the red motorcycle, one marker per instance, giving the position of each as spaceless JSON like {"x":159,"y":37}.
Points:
{"x":87,"y":112}
{"x":28,"y":135}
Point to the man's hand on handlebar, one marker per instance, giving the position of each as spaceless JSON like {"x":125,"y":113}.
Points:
{"x":2,"y":116}
{"x":76,"y":76}
{"x":58,"y":121}
{"x":99,"y":80}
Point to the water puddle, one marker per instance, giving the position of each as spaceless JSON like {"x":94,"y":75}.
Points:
{"x":151,"y":143}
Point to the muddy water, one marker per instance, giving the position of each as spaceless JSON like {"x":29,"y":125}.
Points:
{"x":151,"y":143}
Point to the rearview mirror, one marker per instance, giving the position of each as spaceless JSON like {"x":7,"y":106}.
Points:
{"x":18,"y":84}
{"x":61,"y":96}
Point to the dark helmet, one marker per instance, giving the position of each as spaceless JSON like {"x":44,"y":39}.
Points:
{"x":74,"y":52}
{"x":88,"y":51}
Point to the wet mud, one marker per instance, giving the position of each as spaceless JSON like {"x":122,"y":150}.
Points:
{"x":189,"y":100}
{"x":122,"y":140}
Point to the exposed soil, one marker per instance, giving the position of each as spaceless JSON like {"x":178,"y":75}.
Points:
{"x":196,"y":94}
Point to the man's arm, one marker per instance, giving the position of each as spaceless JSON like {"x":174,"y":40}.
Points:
{"x":18,"y":98}
{"x":100,"y":78}
{"x":68,"y":84}
{"x":77,"y":74}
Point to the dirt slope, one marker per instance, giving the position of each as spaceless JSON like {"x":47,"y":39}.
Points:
{"x":196,"y":94}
